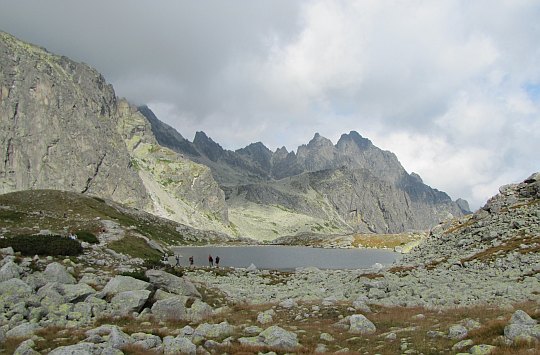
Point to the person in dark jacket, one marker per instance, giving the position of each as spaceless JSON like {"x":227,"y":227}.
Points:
{"x":210,"y":260}
{"x":217,"y":261}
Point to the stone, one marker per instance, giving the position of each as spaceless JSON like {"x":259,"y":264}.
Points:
{"x":24,"y":330}
{"x":14,"y":290}
{"x":326,"y":337}
{"x":279,"y":338}
{"x":128,"y":302}
{"x":26,"y":348}
{"x":7,"y":251}
{"x":56,"y":272}
{"x":146,"y":341}
{"x":215,"y":331}
{"x":198,"y":311}
{"x":482,"y":349}
{"x":522,"y":318}
{"x":178,"y":345}
{"x":252,"y":330}
{"x":462,"y":345}
{"x":359,"y":324}
{"x":10,"y":270}
{"x":77,"y":349}
{"x":173,"y":309}
{"x":457,"y":332}
{"x":251,"y":268}
{"x":125,"y":283}
{"x":265,"y":317}
{"x":118,"y":339}
{"x":288,"y":303}
{"x":172,"y":283}
{"x":76,"y":293}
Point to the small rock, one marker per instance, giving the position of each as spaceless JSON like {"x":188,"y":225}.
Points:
{"x":457,"y":332}
{"x":482,"y":349}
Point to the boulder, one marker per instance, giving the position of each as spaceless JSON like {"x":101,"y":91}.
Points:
{"x":522,"y":328}
{"x":173,"y":309}
{"x":482,"y":349}
{"x":26,"y":348}
{"x":14,"y":290}
{"x":76,"y":293}
{"x":124,"y":283}
{"x":10,"y":270}
{"x":172,"y":283}
{"x":178,"y":345}
{"x":77,"y":349}
{"x":279,"y":338}
{"x":146,"y":341}
{"x":56,"y":272}
{"x":25,"y":330}
{"x":118,"y":339}
{"x":198,"y":311}
{"x":457,"y":332}
{"x":214,"y":331}
{"x":130,"y":301}
{"x":359,"y":324}
{"x":288,"y":303}
{"x":266,"y":317}
{"x":7,"y":251}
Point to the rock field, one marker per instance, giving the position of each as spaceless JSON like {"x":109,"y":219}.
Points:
{"x":490,"y":259}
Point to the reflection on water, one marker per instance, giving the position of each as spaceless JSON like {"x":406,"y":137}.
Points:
{"x":285,"y":257}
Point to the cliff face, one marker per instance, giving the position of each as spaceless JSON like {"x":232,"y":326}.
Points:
{"x":58,"y":127}
{"x":62,"y":127}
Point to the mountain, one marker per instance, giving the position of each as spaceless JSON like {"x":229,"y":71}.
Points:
{"x":62,"y":127}
{"x":351,"y":186}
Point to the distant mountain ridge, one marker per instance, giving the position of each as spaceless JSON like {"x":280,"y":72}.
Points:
{"x":349,"y":186}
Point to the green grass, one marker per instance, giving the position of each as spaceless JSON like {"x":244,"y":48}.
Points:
{"x":31,"y":245}
{"x":135,"y":247}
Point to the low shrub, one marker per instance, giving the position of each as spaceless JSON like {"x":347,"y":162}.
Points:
{"x":85,"y":236}
{"x":31,"y":245}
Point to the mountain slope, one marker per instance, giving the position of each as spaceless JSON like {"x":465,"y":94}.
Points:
{"x":62,"y":127}
{"x":351,"y":186}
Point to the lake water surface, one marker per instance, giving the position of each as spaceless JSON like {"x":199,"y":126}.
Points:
{"x":286,"y":257}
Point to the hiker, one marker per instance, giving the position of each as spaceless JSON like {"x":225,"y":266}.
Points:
{"x":217,"y":261}
{"x":177,"y":260}
{"x":191,"y":261}
{"x":165,"y":259}
{"x":210,"y":260}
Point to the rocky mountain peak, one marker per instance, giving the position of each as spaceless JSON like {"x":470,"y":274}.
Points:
{"x":207,"y":146}
{"x":319,"y":141}
{"x":353,"y":138}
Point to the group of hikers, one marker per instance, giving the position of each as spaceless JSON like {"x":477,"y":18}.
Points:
{"x":165,"y":260}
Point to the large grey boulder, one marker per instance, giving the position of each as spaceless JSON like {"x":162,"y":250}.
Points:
{"x":76,"y":293}
{"x":146,"y":341}
{"x":25,"y":330}
{"x":173,"y":309}
{"x":279,"y":338}
{"x":130,"y":301}
{"x":77,"y":349}
{"x":457,"y":332}
{"x":522,"y":327}
{"x":124,"y":283}
{"x":14,"y":290}
{"x":172,"y":283}
{"x":56,"y":272}
{"x":359,"y":324}
{"x":214,"y":331}
{"x":26,"y":348}
{"x":10,"y":270}
{"x":118,"y":339}
{"x":178,"y":345}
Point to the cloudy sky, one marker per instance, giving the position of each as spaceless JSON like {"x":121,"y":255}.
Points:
{"x":451,"y":87}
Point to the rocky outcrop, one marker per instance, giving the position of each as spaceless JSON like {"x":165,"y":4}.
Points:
{"x":180,"y":189}
{"x":62,"y":128}
{"x":58,"y":127}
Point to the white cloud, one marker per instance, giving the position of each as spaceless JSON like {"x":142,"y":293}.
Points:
{"x":450,"y":86}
